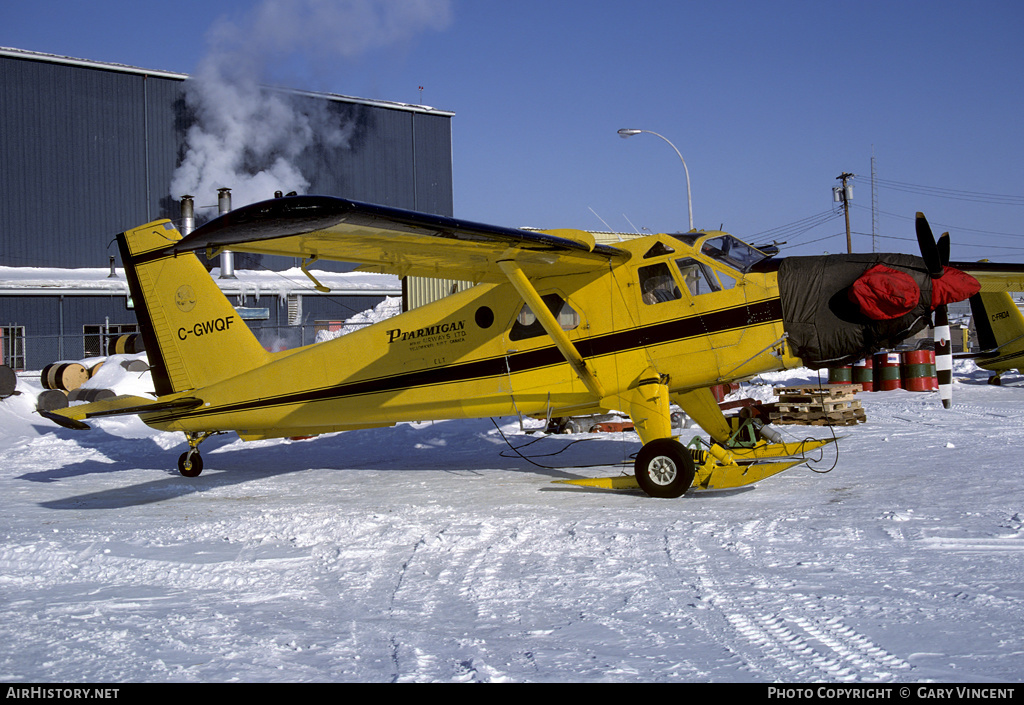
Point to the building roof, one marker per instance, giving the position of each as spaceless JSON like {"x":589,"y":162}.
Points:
{"x":125,"y":68}
{"x":51,"y":281}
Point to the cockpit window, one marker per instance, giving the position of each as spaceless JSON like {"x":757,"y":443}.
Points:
{"x":732,"y":252}
{"x":727,"y":281}
{"x":697,"y":276}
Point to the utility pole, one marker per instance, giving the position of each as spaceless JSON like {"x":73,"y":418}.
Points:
{"x":844,"y":194}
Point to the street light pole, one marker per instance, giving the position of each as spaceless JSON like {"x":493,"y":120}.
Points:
{"x":624,"y":133}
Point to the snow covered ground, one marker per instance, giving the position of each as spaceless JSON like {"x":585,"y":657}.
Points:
{"x":431,"y":552}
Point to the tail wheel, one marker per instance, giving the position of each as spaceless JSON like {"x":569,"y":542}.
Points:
{"x":664,"y":468}
{"x":190,"y":463}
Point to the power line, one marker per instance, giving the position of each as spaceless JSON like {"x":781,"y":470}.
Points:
{"x":967,"y":246}
{"x":950,"y":228}
{"x":955,"y":194}
{"x":820,"y":239}
{"x":797,"y":227}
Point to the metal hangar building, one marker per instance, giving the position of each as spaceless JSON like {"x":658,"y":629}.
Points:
{"x":89,"y":149}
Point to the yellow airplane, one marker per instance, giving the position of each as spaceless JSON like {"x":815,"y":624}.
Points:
{"x":557,"y":326}
{"x":1000,"y":327}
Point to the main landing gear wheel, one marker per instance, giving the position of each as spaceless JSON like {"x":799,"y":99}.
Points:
{"x":664,"y":468}
{"x":190,"y":463}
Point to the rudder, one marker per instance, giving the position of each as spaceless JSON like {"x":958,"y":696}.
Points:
{"x":998,"y":321}
{"x":194,"y":337}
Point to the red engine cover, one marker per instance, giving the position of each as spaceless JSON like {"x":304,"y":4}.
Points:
{"x":883,"y":293}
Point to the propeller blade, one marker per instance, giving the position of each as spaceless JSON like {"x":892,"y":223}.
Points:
{"x":929,"y":250}
{"x":943,"y":356}
{"x":943,"y":247}
{"x":936,"y":257}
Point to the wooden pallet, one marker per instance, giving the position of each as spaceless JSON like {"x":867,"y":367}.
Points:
{"x":827,"y":405}
{"x":833,"y":391}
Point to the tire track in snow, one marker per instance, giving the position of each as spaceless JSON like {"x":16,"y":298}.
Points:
{"x":513,"y":585}
{"x":771,"y":626}
{"x":466,"y":553}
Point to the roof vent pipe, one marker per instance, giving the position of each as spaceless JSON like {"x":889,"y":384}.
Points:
{"x":227,"y":258}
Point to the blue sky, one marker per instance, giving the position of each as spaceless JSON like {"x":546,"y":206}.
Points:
{"x":767,"y":102}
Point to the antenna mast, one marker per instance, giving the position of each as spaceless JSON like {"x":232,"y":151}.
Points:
{"x":874,"y":202}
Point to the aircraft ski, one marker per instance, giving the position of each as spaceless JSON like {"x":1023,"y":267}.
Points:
{"x":718,"y":467}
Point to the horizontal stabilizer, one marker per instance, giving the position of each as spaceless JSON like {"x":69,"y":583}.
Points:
{"x":74,"y":416}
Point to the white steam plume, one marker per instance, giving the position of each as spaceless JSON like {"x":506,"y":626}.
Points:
{"x":247,"y":137}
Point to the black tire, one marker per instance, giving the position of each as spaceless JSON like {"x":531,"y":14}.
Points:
{"x":555,"y":424}
{"x":664,"y":468}
{"x":190,"y":467}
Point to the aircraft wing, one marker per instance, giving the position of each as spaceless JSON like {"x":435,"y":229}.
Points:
{"x":395,"y":241}
{"x":994,"y":276}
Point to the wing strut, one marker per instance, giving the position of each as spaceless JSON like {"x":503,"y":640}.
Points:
{"x":316,"y":284}
{"x":525,"y":288}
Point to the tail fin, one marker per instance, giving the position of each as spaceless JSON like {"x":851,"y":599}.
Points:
{"x":998,"y":321}
{"x":194,"y":337}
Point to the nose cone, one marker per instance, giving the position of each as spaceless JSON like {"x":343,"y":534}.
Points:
{"x":841,"y":308}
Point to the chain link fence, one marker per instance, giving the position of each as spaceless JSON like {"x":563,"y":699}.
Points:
{"x":23,"y":352}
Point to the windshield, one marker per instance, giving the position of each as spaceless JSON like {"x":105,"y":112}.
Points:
{"x":733,"y":252}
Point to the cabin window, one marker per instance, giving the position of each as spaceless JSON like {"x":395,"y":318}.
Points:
{"x":527,"y":325}
{"x":657,"y":285}
{"x":658,"y":250}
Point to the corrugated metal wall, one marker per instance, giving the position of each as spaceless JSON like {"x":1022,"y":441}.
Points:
{"x":73,"y":161}
{"x":87,"y":152}
{"x":420,"y":291}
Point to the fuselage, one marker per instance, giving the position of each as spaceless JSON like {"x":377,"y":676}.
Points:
{"x":680,"y":306}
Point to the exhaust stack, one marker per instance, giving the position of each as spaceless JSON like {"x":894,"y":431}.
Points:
{"x":188,"y":216}
{"x":227,"y":258}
